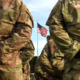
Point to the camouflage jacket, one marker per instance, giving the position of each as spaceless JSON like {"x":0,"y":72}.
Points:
{"x":15,"y":29}
{"x":27,"y":53}
{"x":50,"y":62}
{"x":64,"y":25}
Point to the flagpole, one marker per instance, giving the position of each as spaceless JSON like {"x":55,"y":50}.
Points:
{"x":37,"y":42}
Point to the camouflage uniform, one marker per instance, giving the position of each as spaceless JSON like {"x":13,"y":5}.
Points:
{"x":15,"y":31}
{"x":26,"y":55}
{"x":50,"y":64}
{"x":64,"y":25}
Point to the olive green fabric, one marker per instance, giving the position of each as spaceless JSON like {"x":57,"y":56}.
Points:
{"x":26,"y":55}
{"x":64,"y":22}
{"x":64,"y":26}
{"x":26,"y":72}
{"x":15,"y":31}
{"x":27,"y":52}
{"x":50,"y":64}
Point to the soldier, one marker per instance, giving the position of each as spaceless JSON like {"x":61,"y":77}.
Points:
{"x":64,"y":26}
{"x":50,"y":64}
{"x":15,"y":31}
{"x":26,"y":55}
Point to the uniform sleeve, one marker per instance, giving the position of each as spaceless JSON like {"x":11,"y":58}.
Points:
{"x":61,"y":37}
{"x":21,"y":33}
{"x":39,"y":71}
{"x":27,"y":52}
{"x":45,"y":61}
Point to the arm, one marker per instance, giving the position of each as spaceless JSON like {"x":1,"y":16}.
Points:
{"x":45,"y":61}
{"x":61,"y":37}
{"x":21,"y":33}
{"x":27,"y":52}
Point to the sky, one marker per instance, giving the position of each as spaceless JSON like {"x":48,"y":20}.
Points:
{"x":40,"y":10}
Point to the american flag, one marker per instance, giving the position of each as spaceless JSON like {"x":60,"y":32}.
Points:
{"x":42,"y":30}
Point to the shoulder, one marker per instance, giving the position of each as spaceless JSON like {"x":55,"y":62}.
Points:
{"x":25,"y":15}
{"x":55,"y":9}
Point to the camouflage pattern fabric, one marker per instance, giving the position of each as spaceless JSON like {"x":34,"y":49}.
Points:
{"x":50,"y":64}
{"x":64,"y":26}
{"x":26,"y":54}
{"x":15,"y":31}
{"x":26,"y":72}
